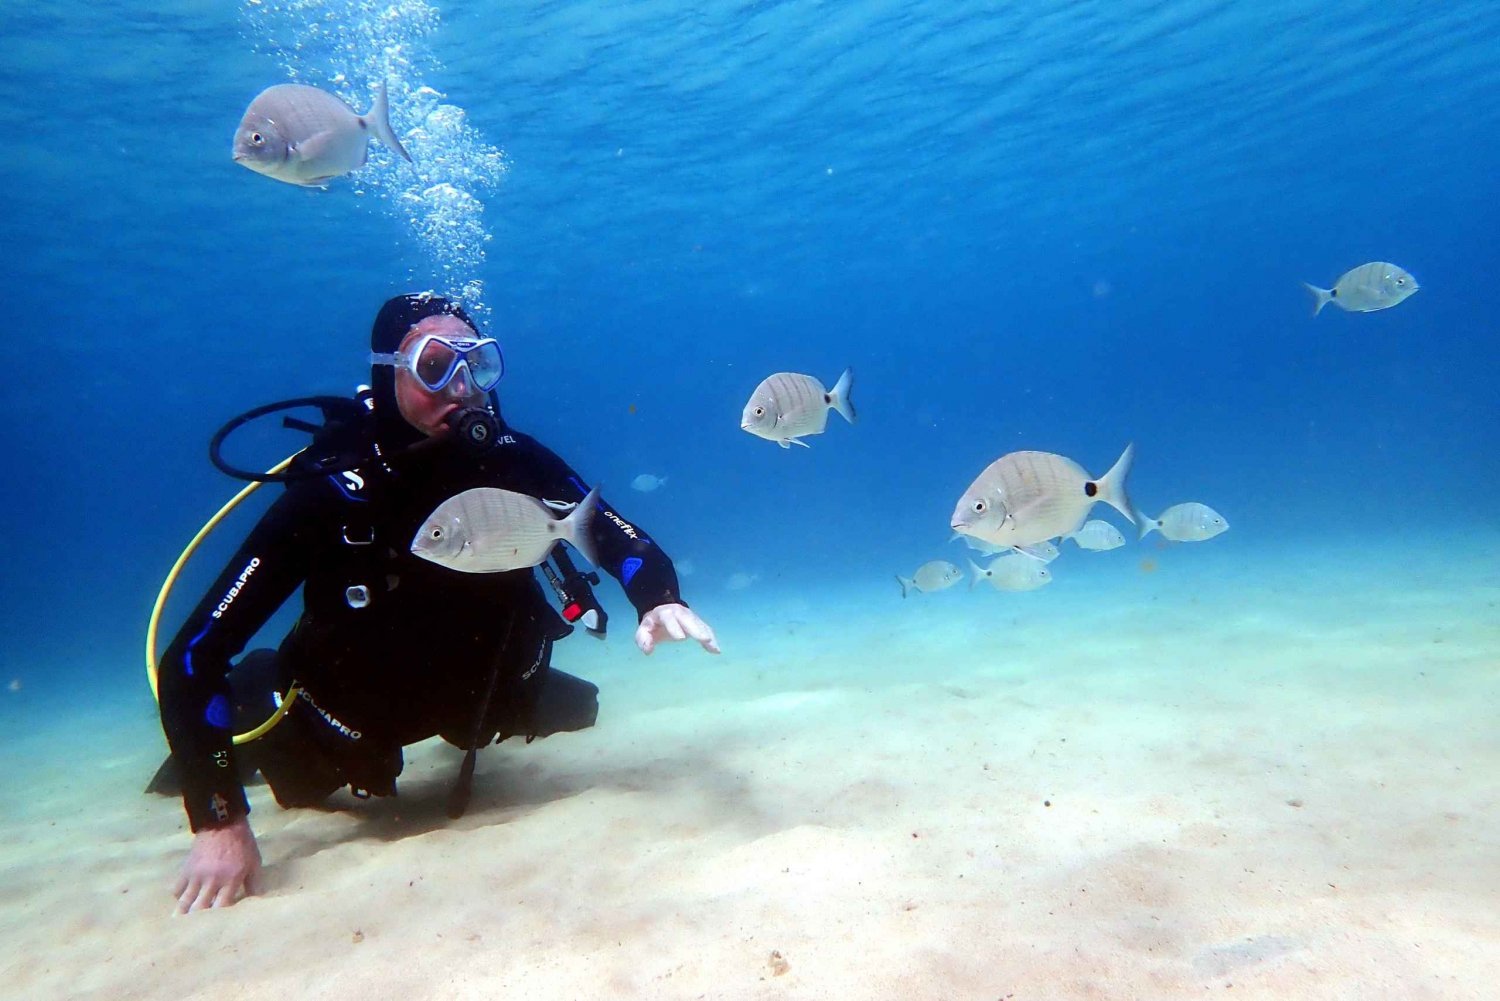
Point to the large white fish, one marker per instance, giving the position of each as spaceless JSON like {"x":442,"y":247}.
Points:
{"x":934,"y":575}
{"x":303,"y":135}
{"x":1097,"y":536}
{"x":1024,"y":498}
{"x":1377,"y":285}
{"x":488,"y":530}
{"x":1191,"y":522}
{"x":788,"y":405}
{"x":1011,"y":573}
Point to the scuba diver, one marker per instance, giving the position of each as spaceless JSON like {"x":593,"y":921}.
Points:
{"x":390,"y":649}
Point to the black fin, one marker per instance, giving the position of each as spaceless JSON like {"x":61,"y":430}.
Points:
{"x":168,"y":779}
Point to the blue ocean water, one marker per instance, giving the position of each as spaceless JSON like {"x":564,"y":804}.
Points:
{"x":1063,"y":226}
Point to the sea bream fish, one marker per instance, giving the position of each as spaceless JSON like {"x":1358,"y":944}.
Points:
{"x":1097,"y":536}
{"x":786,"y":406}
{"x":490,"y":530}
{"x":306,"y":136}
{"x":1013,"y":572}
{"x":1377,"y":285}
{"x":1024,"y":498}
{"x":1190,"y":522}
{"x":934,"y":575}
{"x":1043,"y":551}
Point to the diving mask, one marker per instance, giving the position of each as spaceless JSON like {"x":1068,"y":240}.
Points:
{"x":435,"y":359}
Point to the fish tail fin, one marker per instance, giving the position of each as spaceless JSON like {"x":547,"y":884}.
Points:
{"x":838,"y":396}
{"x":1321,"y":297}
{"x":1112,"y":485}
{"x":576,"y":527}
{"x":378,"y":118}
{"x":1148,"y":525}
{"x":906,"y":585}
{"x":978,"y":574}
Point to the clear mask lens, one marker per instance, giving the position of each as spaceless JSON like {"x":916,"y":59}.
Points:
{"x":437,"y":361}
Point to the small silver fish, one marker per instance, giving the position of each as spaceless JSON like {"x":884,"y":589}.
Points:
{"x":1191,"y":522}
{"x":1377,"y":285}
{"x":646,"y":483}
{"x":306,"y":136}
{"x":489,"y":530}
{"x":787,"y":405}
{"x":740,"y":580}
{"x":1044,"y":551}
{"x":934,"y":575}
{"x":1097,"y":536}
{"x":1024,"y":498}
{"x":1011,"y":573}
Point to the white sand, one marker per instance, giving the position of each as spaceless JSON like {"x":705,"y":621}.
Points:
{"x":1271,"y":785}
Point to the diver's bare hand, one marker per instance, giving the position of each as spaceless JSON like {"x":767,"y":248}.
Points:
{"x":223,"y":866}
{"x":673,"y":622}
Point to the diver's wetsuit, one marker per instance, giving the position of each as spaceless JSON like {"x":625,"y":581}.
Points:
{"x":413,"y":662}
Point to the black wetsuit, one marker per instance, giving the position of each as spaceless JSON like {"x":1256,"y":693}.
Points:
{"x":390,"y":649}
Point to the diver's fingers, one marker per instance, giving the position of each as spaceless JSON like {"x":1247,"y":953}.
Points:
{"x":673,"y":626}
{"x":700,"y":631}
{"x":187,"y":890}
{"x":179,"y":887}
{"x":253,"y":883}
{"x":226,"y":894}
{"x":205,"y":898}
{"x":644,"y":638}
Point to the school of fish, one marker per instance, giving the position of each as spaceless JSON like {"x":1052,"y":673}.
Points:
{"x":1013,"y":510}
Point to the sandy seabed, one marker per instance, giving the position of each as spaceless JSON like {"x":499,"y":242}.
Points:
{"x":1268,"y":780}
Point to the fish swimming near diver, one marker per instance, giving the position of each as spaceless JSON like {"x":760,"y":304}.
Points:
{"x":788,"y":405}
{"x":1012,"y":572}
{"x":490,"y":530}
{"x":302,"y":135}
{"x":1044,"y":551}
{"x":932,"y":576}
{"x":1377,"y":285}
{"x":1191,"y":522}
{"x":1025,"y":498}
{"x":1097,"y":536}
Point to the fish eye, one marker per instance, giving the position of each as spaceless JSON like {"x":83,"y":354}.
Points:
{"x":760,"y":411}
{"x":257,"y":139}
{"x":979,"y":507}
{"x":436,"y":535}
{"x":1400,"y":281}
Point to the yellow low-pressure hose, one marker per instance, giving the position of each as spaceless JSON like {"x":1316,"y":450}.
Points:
{"x":166,"y":589}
